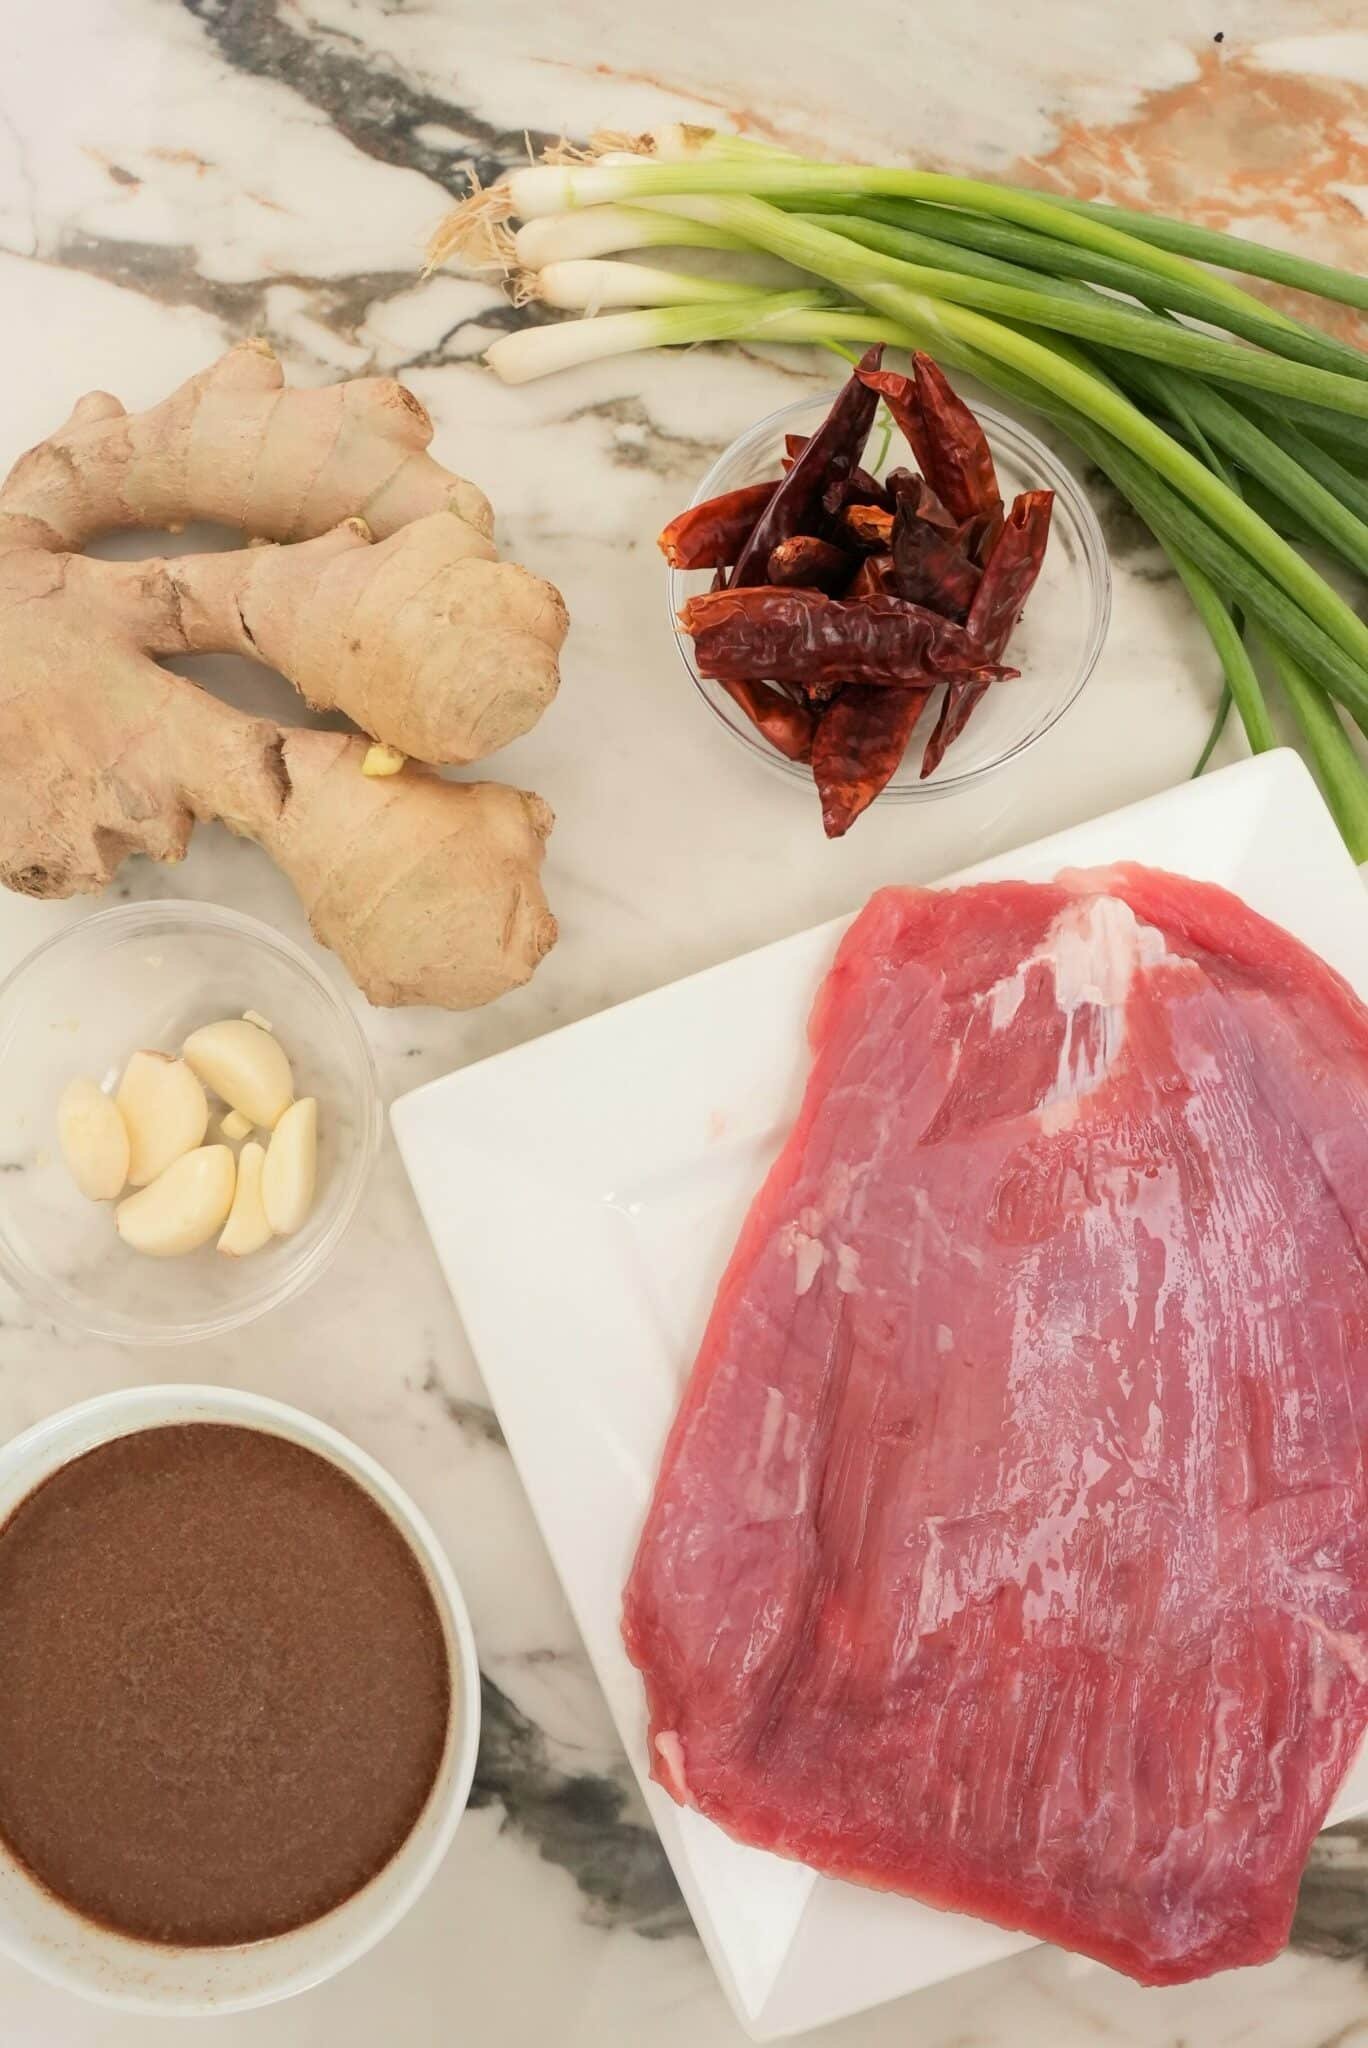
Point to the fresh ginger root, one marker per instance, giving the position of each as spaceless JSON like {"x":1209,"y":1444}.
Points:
{"x":380,"y":597}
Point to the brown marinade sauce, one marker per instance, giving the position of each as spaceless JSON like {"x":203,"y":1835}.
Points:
{"x":224,"y":1685}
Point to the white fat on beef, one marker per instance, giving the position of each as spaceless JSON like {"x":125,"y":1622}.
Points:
{"x":670,"y":1751}
{"x":1094,"y":949}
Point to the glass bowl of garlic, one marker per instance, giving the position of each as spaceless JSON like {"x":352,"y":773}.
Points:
{"x":123,"y":1043}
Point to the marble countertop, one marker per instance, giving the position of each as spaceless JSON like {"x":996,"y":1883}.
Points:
{"x":174,"y":173}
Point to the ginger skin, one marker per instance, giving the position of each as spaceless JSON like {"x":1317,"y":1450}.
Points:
{"x":379,"y":596}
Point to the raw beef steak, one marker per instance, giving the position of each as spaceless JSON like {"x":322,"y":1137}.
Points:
{"x":1010,"y":1547}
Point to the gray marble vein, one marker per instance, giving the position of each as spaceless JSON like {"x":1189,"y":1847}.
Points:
{"x":577,"y":1820}
{"x":365,"y":96}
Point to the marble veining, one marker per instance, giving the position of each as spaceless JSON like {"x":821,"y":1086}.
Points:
{"x":585,"y":1822}
{"x":174,"y":173}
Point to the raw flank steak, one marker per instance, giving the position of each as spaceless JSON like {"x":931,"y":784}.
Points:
{"x":1010,"y":1548}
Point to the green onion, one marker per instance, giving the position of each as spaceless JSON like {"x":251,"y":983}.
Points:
{"x":1240,"y":678}
{"x":561,"y":188}
{"x":1232,"y":252}
{"x":585,"y":285}
{"x":1321,"y":511}
{"x":1346,"y":439}
{"x":1218,"y":726}
{"x":608,"y":230}
{"x":1160,"y":231}
{"x":1276,"y":513}
{"x":1224,"y":625}
{"x":1235,"y":574}
{"x":1338,"y":768}
{"x":762,"y":316}
{"x":1173,"y":392}
{"x":1351,"y":490}
{"x":1326,"y":502}
{"x":1021,"y":254}
{"x":813,"y":248}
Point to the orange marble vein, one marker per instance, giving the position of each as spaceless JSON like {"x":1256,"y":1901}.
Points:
{"x":1239,"y":148}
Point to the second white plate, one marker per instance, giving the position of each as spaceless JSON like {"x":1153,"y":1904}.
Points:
{"x":583,"y":1193}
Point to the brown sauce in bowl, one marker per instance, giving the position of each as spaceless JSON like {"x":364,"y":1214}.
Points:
{"x":224,"y":1685}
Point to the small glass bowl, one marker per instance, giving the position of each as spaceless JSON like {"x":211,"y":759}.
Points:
{"x":1055,"y":645}
{"x":146,"y":975}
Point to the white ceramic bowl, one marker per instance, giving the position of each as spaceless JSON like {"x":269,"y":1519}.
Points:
{"x":1056,"y":642}
{"x":146,"y":975}
{"x":37,"y":1930}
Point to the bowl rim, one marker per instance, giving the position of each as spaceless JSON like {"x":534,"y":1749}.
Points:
{"x":185,"y":913}
{"x":43,"y":1448}
{"x":1096,"y":561}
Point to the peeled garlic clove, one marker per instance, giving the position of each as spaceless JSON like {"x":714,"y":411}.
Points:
{"x":244,"y":1065}
{"x":183,"y":1208}
{"x":235,"y":1125}
{"x":287,"y":1179}
{"x":165,"y":1111}
{"x":247,"y":1229}
{"x":94,"y":1140}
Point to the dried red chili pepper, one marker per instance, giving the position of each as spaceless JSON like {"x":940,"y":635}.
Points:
{"x":929,"y":569}
{"x":818,"y":643}
{"x":864,"y":489}
{"x":873,"y":578}
{"x":906,"y":487}
{"x":814,"y":564}
{"x":712,"y":535}
{"x":787,"y":726}
{"x":961,"y":467}
{"x":1011,"y":572}
{"x":860,"y":739}
{"x":1007,"y":582}
{"x":930,"y":548}
{"x":961,"y":701}
{"x":899,"y":394}
{"x":869,"y":526}
{"x":929,"y":564}
{"x":864,"y":641}
{"x":827,"y":459}
{"x":983,"y":534}
{"x":950,"y":446}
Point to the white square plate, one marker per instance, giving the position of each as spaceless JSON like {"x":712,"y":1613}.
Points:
{"x":583,"y":1193}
